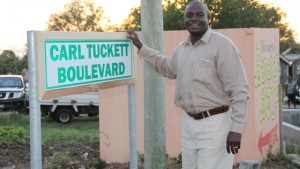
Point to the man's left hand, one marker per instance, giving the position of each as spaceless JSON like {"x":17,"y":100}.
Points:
{"x":233,"y":143}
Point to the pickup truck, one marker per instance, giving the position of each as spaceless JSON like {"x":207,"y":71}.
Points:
{"x":12,"y":93}
{"x":62,"y":109}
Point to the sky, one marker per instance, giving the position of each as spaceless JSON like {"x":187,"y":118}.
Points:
{"x":19,"y":16}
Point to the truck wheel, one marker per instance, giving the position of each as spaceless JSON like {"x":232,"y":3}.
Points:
{"x":63,"y":115}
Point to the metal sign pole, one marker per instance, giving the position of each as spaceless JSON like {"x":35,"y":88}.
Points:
{"x":35,"y":114}
{"x":132,"y":127}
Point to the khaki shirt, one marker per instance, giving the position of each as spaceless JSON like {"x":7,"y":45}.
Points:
{"x":209,"y":74}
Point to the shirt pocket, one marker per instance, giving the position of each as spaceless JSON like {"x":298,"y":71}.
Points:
{"x":202,"y":71}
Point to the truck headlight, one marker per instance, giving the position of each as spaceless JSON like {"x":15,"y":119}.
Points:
{"x":17,"y":95}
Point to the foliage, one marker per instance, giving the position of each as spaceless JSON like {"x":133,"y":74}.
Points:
{"x":78,"y":16}
{"x":141,"y":158}
{"x":15,"y":120}
{"x":133,"y":21}
{"x":173,"y":14}
{"x":58,"y":160}
{"x":82,"y":134}
{"x":224,"y":14}
{"x":250,"y":13}
{"x":12,"y":133}
{"x":11,"y":64}
{"x":295,"y":49}
{"x":60,"y":132}
{"x":100,"y":164}
{"x":177,"y":160}
{"x":291,"y":149}
{"x":277,"y":158}
{"x":52,"y":131}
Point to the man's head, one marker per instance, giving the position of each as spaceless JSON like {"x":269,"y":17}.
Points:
{"x":196,"y":16}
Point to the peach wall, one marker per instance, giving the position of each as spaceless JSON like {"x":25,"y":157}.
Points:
{"x":256,"y":45}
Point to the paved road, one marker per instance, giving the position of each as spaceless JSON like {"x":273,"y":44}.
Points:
{"x":284,"y":107}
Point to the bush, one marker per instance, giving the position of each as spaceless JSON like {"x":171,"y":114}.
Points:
{"x":12,"y":133}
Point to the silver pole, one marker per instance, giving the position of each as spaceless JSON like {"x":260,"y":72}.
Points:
{"x":132,"y":127}
{"x":35,"y":114}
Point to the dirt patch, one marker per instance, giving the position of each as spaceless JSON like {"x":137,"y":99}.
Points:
{"x":68,"y":155}
{"x":64,"y":155}
{"x":54,"y":155}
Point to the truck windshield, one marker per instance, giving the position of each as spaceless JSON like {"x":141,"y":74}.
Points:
{"x":10,"y":82}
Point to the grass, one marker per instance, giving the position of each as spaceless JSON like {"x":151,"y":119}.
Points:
{"x":59,"y":160}
{"x":19,"y":126}
{"x":278,"y":158}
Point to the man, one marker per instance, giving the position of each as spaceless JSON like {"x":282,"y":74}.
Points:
{"x":211,"y":88}
{"x":291,"y":89}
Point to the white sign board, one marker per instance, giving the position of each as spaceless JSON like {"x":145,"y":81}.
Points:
{"x":78,"y":62}
{"x":71,"y":63}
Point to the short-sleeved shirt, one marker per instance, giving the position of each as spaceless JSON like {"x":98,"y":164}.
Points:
{"x":290,"y":87}
{"x":209,"y":74}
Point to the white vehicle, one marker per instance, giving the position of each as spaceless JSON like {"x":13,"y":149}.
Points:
{"x":12,"y":92}
{"x":62,"y":109}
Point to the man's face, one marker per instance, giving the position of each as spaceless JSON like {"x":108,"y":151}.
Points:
{"x":196,"y":18}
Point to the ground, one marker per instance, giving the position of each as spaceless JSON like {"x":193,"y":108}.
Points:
{"x":16,"y":155}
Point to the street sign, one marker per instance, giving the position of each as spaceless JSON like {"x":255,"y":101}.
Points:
{"x":79,"y":62}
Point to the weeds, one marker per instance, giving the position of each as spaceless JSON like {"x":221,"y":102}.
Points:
{"x":176,"y":160}
{"x":278,"y":158}
{"x":58,"y":160}
{"x":100,"y":164}
{"x":57,"y":139}
{"x":292,"y":150}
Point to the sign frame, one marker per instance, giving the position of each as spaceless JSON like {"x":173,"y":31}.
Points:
{"x":44,"y":37}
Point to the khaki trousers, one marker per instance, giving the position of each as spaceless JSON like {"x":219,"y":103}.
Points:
{"x":204,"y":142}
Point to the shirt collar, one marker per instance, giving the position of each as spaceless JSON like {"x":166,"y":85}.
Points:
{"x":205,"y":38}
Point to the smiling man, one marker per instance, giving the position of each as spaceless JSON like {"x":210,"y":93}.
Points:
{"x":211,"y":87}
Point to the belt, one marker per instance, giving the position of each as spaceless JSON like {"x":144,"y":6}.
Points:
{"x":208,"y":113}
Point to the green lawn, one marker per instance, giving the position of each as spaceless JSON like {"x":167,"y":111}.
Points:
{"x":18,"y":125}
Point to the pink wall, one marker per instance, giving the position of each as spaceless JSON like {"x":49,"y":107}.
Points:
{"x":257,"y":47}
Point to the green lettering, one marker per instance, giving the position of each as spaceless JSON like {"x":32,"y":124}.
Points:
{"x":94,"y":72}
{"x":89,"y":50}
{"x":63,"y":53}
{"x":87,"y":76}
{"x":61,"y":75}
{"x":101,"y":70}
{"x":80,"y":74}
{"x":121,"y":68}
{"x":80,"y":56}
{"x":107,"y":70}
{"x":53,"y":49}
{"x":103,"y":50}
{"x":96,"y":51}
{"x":117,"y":50}
{"x":72,"y":52}
{"x":124,"y":49}
{"x":110,"y":50}
{"x":114,"y":69}
{"x":71,"y":74}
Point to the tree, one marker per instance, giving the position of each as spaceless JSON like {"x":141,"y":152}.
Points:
{"x":225,"y":14}
{"x":172,"y":16}
{"x":250,"y":13}
{"x":9,"y":63}
{"x":133,"y":21}
{"x":79,"y":16}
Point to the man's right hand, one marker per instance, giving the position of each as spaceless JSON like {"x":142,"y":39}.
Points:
{"x":135,"y":39}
